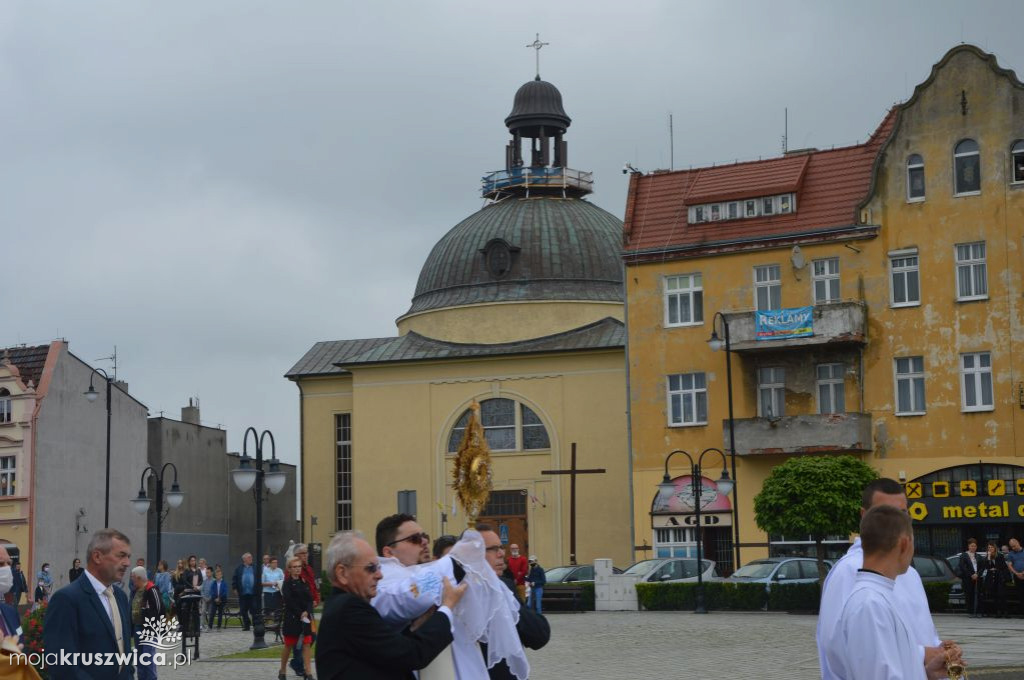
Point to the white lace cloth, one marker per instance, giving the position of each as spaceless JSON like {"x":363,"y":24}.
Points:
{"x":488,"y":612}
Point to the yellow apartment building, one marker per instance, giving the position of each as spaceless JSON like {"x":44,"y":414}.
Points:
{"x":872,"y":298}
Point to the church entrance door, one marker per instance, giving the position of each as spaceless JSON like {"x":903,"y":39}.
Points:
{"x":506,"y":512}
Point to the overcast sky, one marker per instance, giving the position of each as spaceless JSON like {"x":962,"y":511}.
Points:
{"x":215,"y":186}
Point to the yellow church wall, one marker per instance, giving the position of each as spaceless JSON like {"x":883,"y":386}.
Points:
{"x":489,"y":323}
{"x":402,"y":416}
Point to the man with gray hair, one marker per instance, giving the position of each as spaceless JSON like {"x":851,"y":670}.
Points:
{"x":88,"y":616}
{"x":355,"y":642}
{"x":244,"y":583}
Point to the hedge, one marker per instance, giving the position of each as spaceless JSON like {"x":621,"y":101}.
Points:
{"x":728,"y":595}
{"x":938,"y":596}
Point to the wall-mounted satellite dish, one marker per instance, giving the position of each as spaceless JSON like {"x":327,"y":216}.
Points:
{"x":797,"y":258}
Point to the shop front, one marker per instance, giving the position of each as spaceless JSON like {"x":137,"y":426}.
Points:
{"x":984,"y":501}
{"x":675,"y":529}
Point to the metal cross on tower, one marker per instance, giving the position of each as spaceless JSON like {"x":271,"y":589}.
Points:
{"x":537,"y":44}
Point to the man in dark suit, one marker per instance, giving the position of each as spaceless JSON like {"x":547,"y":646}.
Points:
{"x":534,"y":630}
{"x":244,"y":583}
{"x":88,"y":616}
{"x":354,"y":642}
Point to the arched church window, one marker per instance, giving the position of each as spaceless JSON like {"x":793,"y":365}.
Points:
{"x":508,"y":426}
{"x":5,"y":405}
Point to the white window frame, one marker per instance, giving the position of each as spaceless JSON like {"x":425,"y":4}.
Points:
{"x":343,"y":455}
{"x":768,"y":283}
{"x":768,"y":207}
{"x":694,"y":393}
{"x":776,"y":389}
{"x":682,"y":541}
{"x":976,"y":374}
{"x":965,"y":154}
{"x":827,"y":278}
{"x":683,"y":295}
{"x":971,"y":263}
{"x":6,"y":409}
{"x":911,"y":166}
{"x":8,"y":475}
{"x":1016,"y":149}
{"x":904,"y":270}
{"x":834,"y":386}
{"x":911,"y":376}
{"x":749,"y":203}
{"x":785,"y":204}
{"x":733,"y":210}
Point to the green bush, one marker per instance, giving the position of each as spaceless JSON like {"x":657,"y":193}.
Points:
{"x":325,"y":586}
{"x":666,"y":596}
{"x":794,"y":597}
{"x":938,"y":596}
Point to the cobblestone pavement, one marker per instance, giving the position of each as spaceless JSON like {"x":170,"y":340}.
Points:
{"x":606,"y":645}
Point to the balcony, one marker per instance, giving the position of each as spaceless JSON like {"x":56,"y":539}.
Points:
{"x":526,"y":179}
{"x":837,"y":323}
{"x":830,"y":433}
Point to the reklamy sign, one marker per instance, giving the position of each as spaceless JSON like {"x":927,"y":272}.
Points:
{"x":966,"y":510}
{"x":776,"y":324}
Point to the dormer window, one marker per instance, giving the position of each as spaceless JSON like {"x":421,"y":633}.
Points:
{"x":785,"y":205}
{"x":716,"y":212}
{"x":1017,"y":161}
{"x":915,"y":178}
{"x":967,"y":168}
{"x":750,"y":209}
{"x":767,"y":206}
{"x":734,"y":210}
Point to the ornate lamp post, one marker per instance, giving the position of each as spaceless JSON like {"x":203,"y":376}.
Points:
{"x":91,"y":394}
{"x":174,"y":498}
{"x":247,"y":474}
{"x":716,"y":344}
{"x":725,"y":486}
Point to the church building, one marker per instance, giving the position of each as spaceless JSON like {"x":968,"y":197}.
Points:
{"x":519,"y":307}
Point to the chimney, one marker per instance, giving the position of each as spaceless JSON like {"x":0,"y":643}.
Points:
{"x":190,"y":413}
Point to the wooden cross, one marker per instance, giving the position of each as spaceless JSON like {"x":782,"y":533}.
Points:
{"x":572,"y":472}
{"x":537,"y":44}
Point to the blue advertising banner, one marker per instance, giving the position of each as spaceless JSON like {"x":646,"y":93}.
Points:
{"x":775,"y":324}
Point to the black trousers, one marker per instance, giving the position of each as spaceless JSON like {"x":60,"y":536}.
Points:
{"x":971,"y":595}
{"x":247,"y":607}
{"x":215,"y":609}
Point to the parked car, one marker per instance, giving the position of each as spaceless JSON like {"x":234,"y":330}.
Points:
{"x":942,"y":570}
{"x":675,"y":569}
{"x":573,"y":573}
{"x":779,"y":570}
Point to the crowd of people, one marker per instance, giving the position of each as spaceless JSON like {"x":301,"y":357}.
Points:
{"x":989,"y":579}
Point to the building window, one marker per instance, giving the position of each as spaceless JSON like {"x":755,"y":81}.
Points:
{"x":768,"y":287}
{"x":976,"y":381}
{"x":675,"y":542}
{"x":343,"y":455}
{"x":6,"y":406}
{"x":684,"y":300}
{"x":910,"y":386}
{"x":785,"y":204}
{"x":767,"y":206}
{"x":906,"y":287}
{"x":825,"y":276}
{"x":1017,"y":161}
{"x":915,"y":178}
{"x":831,"y":388}
{"x":771,"y":392}
{"x":687,"y":399}
{"x":7,"y":476}
{"x":699,"y":214}
{"x":734,"y":210}
{"x":971,"y":272}
{"x":716,"y":212}
{"x":967,"y":167}
{"x":508,"y":426}
{"x":750,"y":208}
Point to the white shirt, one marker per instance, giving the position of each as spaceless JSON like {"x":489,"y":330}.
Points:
{"x":908,"y":594}
{"x":275,"y":576}
{"x":101,"y":591}
{"x":872,"y":640}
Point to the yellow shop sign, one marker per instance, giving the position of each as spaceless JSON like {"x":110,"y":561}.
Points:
{"x":966,"y":510}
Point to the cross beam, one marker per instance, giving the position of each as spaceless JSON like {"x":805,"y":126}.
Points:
{"x":572,"y":472}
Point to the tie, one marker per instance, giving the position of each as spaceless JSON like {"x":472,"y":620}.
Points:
{"x":115,"y":618}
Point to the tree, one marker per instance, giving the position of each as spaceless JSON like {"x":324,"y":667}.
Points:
{"x":815,"y":495}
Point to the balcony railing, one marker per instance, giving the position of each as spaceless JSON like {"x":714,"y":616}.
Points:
{"x":835,"y":323}
{"x":828,"y":433}
{"x":537,"y":178}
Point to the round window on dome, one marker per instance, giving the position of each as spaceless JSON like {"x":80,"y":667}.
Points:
{"x":498,"y":257}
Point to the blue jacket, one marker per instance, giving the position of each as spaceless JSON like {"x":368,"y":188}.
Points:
{"x":236,"y":580}
{"x":12,"y":622}
{"x":219,"y":589}
{"x":77,"y":622}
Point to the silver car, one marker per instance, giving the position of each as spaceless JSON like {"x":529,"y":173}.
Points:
{"x":673,"y":569}
{"x":778,"y":570}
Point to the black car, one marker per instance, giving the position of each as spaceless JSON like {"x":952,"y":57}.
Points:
{"x":573,"y":573}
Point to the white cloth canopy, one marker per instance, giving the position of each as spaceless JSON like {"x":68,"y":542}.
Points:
{"x":908,"y":596}
{"x":872,"y":639}
{"x":488,"y":611}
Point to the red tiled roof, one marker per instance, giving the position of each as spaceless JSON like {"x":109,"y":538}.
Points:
{"x":28,"y":360}
{"x":749,"y":180}
{"x":831,"y":184}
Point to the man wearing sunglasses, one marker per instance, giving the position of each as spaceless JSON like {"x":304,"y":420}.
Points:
{"x":355,"y":642}
{"x":400,"y":536}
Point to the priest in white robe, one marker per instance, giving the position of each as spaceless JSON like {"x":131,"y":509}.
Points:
{"x":908,"y":592}
{"x":872,"y":638}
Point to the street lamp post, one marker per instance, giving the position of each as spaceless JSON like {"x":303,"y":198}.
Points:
{"x":725,"y":486}
{"x":716,"y":344}
{"x":174,"y":498}
{"x":247,"y":474}
{"x":91,"y":394}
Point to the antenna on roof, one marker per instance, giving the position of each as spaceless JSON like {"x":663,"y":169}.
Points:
{"x":671,"y":144}
{"x":113,"y":358}
{"x":785,"y":133}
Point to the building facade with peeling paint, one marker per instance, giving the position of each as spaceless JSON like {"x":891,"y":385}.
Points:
{"x":907,"y":251}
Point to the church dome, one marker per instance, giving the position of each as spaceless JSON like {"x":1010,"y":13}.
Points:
{"x":537,"y":104}
{"x":525,"y":250}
